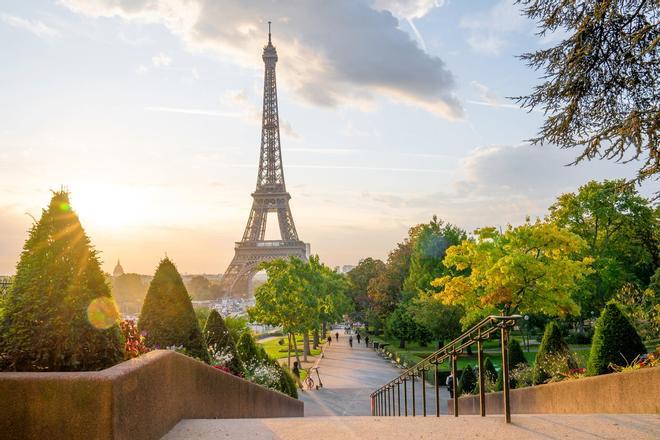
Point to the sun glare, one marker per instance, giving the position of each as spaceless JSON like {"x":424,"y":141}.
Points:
{"x":112,"y":206}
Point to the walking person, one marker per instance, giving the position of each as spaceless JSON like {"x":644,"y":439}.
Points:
{"x":366,"y":341}
{"x":450,"y":385}
{"x":358,"y":337}
{"x":350,"y":341}
{"x":329,"y":340}
{"x":296,"y":374}
{"x":337,"y":336}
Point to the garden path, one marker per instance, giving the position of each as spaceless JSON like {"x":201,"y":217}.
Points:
{"x":349,"y":375}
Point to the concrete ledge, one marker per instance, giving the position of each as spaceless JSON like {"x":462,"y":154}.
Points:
{"x":633,"y":392}
{"x":139,"y":399}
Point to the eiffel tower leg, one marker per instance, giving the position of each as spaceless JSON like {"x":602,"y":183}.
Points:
{"x":285,"y":219}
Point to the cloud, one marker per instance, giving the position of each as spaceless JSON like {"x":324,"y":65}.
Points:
{"x":161,"y":60}
{"x":331,"y":53}
{"x":489,"y":30}
{"x":408,"y":9}
{"x":195,"y":111}
{"x":35,"y":27}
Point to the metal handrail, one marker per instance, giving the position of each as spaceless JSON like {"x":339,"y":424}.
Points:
{"x":382,"y":400}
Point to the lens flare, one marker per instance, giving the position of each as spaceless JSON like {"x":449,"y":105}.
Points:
{"x":65,"y":207}
{"x":102,"y":313}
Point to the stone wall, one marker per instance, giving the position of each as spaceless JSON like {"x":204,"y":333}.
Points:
{"x":621,"y":393}
{"x":139,"y":399}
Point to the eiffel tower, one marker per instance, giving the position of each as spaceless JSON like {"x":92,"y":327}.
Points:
{"x":269,"y":196}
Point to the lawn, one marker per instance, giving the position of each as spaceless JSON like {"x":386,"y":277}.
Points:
{"x":277,"y":351}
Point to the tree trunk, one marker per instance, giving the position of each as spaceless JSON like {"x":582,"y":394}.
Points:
{"x":316,"y":338}
{"x":305,"y":345}
{"x":402,"y":343}
{"x":295,"y":349}
{"x":325,"y":330}
{"x":440,"y":341}
{"x":288,"y":354}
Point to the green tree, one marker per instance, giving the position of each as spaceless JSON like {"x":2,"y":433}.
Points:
{"x":600,"y":81}
{"x":489,"y":370}
{"x":248,"y":350}
{"x":428,"y":247}
{"x":615,"y":341}
{"x":236,"y":325}
{"x":441,"y":320}
{"x":622,"y":235}
{"x":642,"y":307}
{"x":402,"y":326}
{"x":167,"y":316}
{"x":59,"y":314}
{"x":516,"y":355}
{"x":219,"y":340}
{"x":128,"y":288}
{"x":531,"y":268}
{"x":200,"y":288}
{"x":359,"y":278}
{"x":553,"y":357}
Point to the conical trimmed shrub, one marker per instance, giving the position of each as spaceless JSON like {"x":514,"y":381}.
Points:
{"x":489,"y":370}
{"x":59,"y":314}
{"x":167,"y":316}
{"x":219,"y":339}
{"x":468,"y":381}
{"x":516,"y":354}
{"x":615,"y":341}
{"x":248,"y":350}
{"x":554,"y":356}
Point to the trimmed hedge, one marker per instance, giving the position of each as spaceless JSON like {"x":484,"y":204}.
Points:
{"x":167,"y":316}
{"x":468,"y":381}
{"x":553,"y":356}
{"x":615,"y":341}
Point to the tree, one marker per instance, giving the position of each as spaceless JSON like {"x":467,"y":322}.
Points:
{"x":490,"y":371}
{"x":236,"y":325}
{"x":59,"y":314}
{"x":642,"y":307}
{"x":428,"y":247}
{"x":600,"y":88}
{"x":615,"y":341}
{"x":167,"y":316}
{"x":622,"y":233}
{"x":527,"y":269}
{"x":402,"y":326}
{"x":441,"y":320}
{"x":200,"y":288}
{"x":129,"y":288}
{"x":516,"y":355}
{"x":358,"y":279}
{"x":553,"y":357}
{"x":220,"y":341}
{"x":248,"y":350}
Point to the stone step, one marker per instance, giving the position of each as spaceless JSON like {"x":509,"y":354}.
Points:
{"x":545,"y":426}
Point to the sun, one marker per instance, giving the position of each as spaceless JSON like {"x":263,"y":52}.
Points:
{"x":111,"y":207}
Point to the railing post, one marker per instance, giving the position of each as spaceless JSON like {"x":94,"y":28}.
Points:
{"x":454,"y":381}
{"x":436,"y":379}
{"x":398,"y":397}
{"x":393,"y":402}
{"x":372,"y":407}
{"x":423,"y":373}
{"x":505,"y":372}
{"x":412,"y":384}
{"x":405,"y":396}
{"x":480,"y":360}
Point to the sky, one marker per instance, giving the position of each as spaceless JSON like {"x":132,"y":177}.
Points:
{"x":148,"y":112}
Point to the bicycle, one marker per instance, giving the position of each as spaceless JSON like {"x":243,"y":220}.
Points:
{"x":309,"y":380}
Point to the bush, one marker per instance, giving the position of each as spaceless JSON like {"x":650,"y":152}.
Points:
{"x":553,"y":358}
{"x":167,"y":318}
{"x":489,"y":370}
{"x":468,"y":381}
{"x":59,"y":314}
{"x":220,"y":342}
{"x":287,"y":383}
{"x":516,"y":354}
{"x":134,"y":343}
{"x":247,"y":349}
{"x":615,"y":341}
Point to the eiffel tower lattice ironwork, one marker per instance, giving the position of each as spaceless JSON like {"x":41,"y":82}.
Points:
{"x":270,"y":196}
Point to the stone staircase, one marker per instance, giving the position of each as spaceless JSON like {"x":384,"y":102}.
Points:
{"x":546,"y":426}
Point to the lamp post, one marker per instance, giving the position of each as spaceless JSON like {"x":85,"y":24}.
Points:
{"x":526,"y":318}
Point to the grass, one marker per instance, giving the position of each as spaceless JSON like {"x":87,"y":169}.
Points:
{"x":277,"y":351}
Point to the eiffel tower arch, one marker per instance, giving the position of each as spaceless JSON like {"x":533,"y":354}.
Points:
{"x":270,"y":196}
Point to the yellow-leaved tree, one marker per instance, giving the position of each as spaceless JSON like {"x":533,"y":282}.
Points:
{"x":532,"y":268}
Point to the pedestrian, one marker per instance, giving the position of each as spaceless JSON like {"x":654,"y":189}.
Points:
{"x":450,"y":385}
{"x":329,"y":340}
{"x":337,"y":336}
{"x":296,"y":375}
{"x":350,"y":341}
{"x":366,"y":341}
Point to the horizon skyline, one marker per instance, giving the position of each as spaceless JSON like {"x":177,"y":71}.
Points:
{"x":150,"y":118}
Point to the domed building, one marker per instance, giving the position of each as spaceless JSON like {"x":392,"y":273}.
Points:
{"x":119,"y":271}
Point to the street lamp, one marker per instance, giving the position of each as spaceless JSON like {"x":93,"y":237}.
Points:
{"x":526,"y":318}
